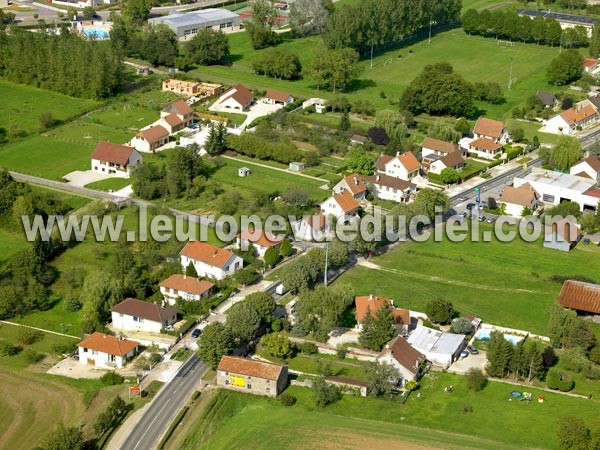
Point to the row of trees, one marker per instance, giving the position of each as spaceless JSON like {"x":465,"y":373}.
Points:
{"x":66,"y":63}
{"x":255,"y":145}
{"x":334,"y":68}
{"x":526,"y":360}
{"x":278,"y":63}
{"x":379,"y":22}
{"x":509,"y":25}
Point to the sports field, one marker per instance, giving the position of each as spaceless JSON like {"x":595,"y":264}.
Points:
{"x":503,"y":283}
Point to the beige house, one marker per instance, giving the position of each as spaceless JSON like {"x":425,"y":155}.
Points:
{"x":403,"y":357}
{"x":516,"y":199}
{"x":179,"y":109}
{"x":254,"y":377}
{"x":191,"y":88}
{"x":150,"y":139}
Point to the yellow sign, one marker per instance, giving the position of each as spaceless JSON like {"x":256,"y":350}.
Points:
{"x":236,"y":380}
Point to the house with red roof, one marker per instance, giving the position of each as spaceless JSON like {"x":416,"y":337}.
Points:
{"x":209,"y":260}
{"x":106,"y":351}
{"x":408,"y":361}
{"x":114,"y":159}
{"x":310,"y":228}
{"x":179,"y":109}
{"x":437,"y":155}
{"x":587,"y":168}
{"x":342,"y":205}
{"x":404,"y":166}
{"x":278,"y":98}
{"x":572,"y":119}
{"x":150,"y":139}
{"x":139,"y":315}
{"x":252,"y":376}
{"x":355,"y":184}
{"x":386,"y":187}
{"x":260,"y":240}
{"x":185,"y":287}
{"x":580,"y":296}
{"x":368,"y":305}
{"x":237,"y":98}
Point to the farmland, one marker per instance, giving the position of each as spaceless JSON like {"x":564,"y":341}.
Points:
{"x":506,"y":284}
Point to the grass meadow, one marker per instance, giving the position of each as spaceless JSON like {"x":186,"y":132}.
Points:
{"x":505,"y":284}
{"x":110,"y":184}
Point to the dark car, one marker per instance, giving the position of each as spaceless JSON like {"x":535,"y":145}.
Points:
{"x":472,"y":350}
{"x":470,"y":205}
{"x":196,"y":332}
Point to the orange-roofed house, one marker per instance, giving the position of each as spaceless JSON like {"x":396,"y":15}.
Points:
{"x":517,"y":199}
{"x":252,"y":376}
{"x":150,"y":139}
{"x":238,"y":98}
{"x":590,"y":65}
{"x":355,"y":184}
{"x":342,"y":205}
{"x":370,"y":304}
{"x":185,"y":287}
{"x":260,"y":240}
{"x":571,"y":120}
{"x":580,"y":296}
{"x":180,"y":109}
{"x":437,"y":155}
{"x":172,"y":123}
{"x":114,"y":159}
{"x":403,"y":357}
{"x":405,"y":166}
{"x":106,"y":351}
{"x":278,"y":98}
{"x":493,"y":130}
{"x":210,"y":261}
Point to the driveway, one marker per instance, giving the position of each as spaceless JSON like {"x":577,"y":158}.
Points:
{"x":472,"y":361}
{"x":82,"y":177}
{"x":258,"y":109}
{"x":72,"y":368}
{"x":341,"y":336}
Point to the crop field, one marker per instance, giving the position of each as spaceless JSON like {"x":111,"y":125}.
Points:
{"x":506,"y":284}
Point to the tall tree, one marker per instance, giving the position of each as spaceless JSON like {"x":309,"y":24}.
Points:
{"x":376,"y":332}
{"x":208,"y":46}
{"x":379,"y":378}
{"x":594,"y":49}
{"x":136,"y":12}
{"x":565,"y":68}
{"x":309,"y":16}
{"x":243,"y":321}
{"x":215,"y":343}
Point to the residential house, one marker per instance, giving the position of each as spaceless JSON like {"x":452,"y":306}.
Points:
{"x":310,"y":228}
{"x":192,"y":88}
{"x":138,"y":315}
{"x":114,"y":159}
{"x":493,"y":130}
{"x":587,"y":168}
{"x":485,"y":148}
{"x":441,"y":154}
{"x":516,"y":199}
{"x":548,"y":99}
{"x":185,"y":287}
{"x":251,"y":376}
{"x":370,"y":304}
{"x":440,"y":348}
{"x":278,"y":98}
{"x":349,"y":385}
{"x":340,"y":205}
{"x":403,"y":357}
{"x":150,"y":139}
{"x":355,"y":184}
{"x":571,"y":120}
{"x":386,"y":187}
{"x":451,"y":161}
{"x":210,"y":261}
{"x":404,"y":166}
{"x":238,"y":98}
{"x":357,"y":139}
{"x":580,"y":296}
{"x":260,"y":240}
{"x":562,"y":235}
{"x":105,"y":351}
{"x":181,"y":109}
{"x":590,"y":65}
{"x":172,"y":123}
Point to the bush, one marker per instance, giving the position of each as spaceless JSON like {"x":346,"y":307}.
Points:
{"x":440,"y":311}
{"x":111,"y":379}
{"x":31,"y":356}
{"x":411,"y":385}
{"x":287,"y":400}
{"x":476,"y":380}
{"x":7,"y":349}
{"x":341,"y":351}
{"x":308,"y":348}
{"x":27,"y":336}
{"x":558,"y":381}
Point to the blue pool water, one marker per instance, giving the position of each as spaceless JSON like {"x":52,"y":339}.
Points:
{"x":95,"y":33}
{"x":484,"y":335}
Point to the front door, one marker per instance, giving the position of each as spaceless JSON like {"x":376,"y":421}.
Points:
{"x":91,"y":362}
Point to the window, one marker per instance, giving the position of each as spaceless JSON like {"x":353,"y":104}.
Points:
{"x":229,"y":24}
{"x":121,"y":315}
{"x":94,"y":352}
{"x":136,"y":319}
{"x":175,"y":291}
{"x":248,"y":386}
{"x":547,"y":198}
{"x":111,"y":358}
{"x":194,"y":30}
{"x":222,"y":26}
{"x":85,"y":350}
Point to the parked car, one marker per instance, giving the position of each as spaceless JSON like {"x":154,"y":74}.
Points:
{"x":196,"y":333}
{"x":472,"y":350}
{"x":464,"y":214}
{"x":481,"y":218}
{"x":490,"y":220}
{"x":464,"y":354}
{"x":470,"y":205}
{"x":462,"y":198}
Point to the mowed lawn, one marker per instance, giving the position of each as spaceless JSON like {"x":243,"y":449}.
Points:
{"x":491,"y":421}
{"x":503,"y":283}
{"x":10,"y":243}
{"x":474,"y":57}
{"x":111,"y":184}
{"x":263,"y":179}
{"x":24,"y":104}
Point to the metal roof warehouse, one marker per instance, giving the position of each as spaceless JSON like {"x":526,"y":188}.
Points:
{"x":563,"y":18}
{"x":188,"y":24}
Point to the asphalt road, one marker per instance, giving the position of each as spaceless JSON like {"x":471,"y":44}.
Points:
{"x":165,"y":406}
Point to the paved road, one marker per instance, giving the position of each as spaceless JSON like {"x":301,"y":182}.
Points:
{"x":165,"y":406}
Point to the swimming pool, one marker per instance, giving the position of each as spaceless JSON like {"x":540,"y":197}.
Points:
{"x":484,"y":335}
{"x":95,"y":33}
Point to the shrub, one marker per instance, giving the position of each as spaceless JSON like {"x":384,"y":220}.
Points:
{"x":111,"y":379}
{"x":27,"y":336}
{"x":308,"y":348}
{"x":556,"y":380}
{"x":31,"y":356}
{"x":440,"y":311}
{"x":411,"y":385}
{"x":341,"y":351}
{"x":287,"y":400}
{"x":7,"y":349}
{"x":476,"y":380}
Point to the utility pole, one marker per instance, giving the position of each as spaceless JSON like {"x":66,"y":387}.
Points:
{"x":326,"y":262}
{"x":429,"y":41}
{"x":371,"y":53}
{"x":510,"y":75}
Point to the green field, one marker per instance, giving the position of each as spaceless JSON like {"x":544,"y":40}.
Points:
{"x":111,"y":184}
{"x":10,"y":243}
{"x":476,"y":58}
{"x":24,"y":104}
{"x":502,"y":283}
{"x":490,"y":420}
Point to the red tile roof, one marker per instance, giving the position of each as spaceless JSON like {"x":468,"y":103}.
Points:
{"x":593,"y":192}
{"x":346,"y":201}
{"x":589,"y":62}
{"x":580,"y":296}
{"x":264,"y":239}
{"x":154,"y":134}
{"x":453,"y":159}
{"x":488,"y":127}
{"x":382,"y":161}
{"x":486,"y":144}
{"x":373,"y":303}
{"x":593,"y":162}
{"x":206,"y":253}
{"x":145,"y":310}
{"x":105,"y":343}
{"x":573,"y":117}
{"x":405,"y":354}
{"x":356,"y":183}
{"x":439,"y":146}
{"x":183,"y":283}
{"x":173,"y":120}
{"x":250,"y":367}
{"x":519,"y":196}
{"x":179,"y":107}
{"x":277,"y":95}
{"x":409,"y":161}
{"x":381,"y":179}
{"x":240,"y":94}
{"x":114,"y":153}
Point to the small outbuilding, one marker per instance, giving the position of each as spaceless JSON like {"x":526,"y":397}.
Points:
{"x":243,"y":172}
{"x":297,"y":166}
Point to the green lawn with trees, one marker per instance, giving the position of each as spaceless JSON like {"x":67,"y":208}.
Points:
{"x":524,"y":278}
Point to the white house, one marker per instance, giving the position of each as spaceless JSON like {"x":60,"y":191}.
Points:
{"x":386,"y":187}
{"x":187,"y":288}
{"x":260,"y":240}
{"x":571,"y":120}
{"x":516,"y":199}
{"x":441,"y":154}
{"x":150,"y":139}
{"x":340,"y":205}
{"x":355,"y":184}
{"x":588,"y":168}
{"x":451,"y":161}
{"x":404,"y":166}
{"x":138,"y":315}
{"x":440,"y":348}
{"x":554,"y":187}
{"x":181,"y":110}
{"x":105,"y":351}
{"x":210,"y":261}
{"x":278,"y":98}
{"x":238,"y":98}
{"x":310,"y":228}
{"x":114,"y":159}
{"x":403,"y":357}
{"x":491,"y":129}
{"x":485,"y":148}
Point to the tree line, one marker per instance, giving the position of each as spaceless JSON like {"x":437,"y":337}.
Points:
{"x":65,"y":63}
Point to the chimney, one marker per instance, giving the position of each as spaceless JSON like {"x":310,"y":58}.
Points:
{"x":355,"y":181}
{"x":377,"y":177}
{"x":397,"y":153}
{"x":370,"y":297}
{"x":392,"y":303}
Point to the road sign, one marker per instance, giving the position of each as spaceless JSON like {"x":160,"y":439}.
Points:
{"x":478,"y":195}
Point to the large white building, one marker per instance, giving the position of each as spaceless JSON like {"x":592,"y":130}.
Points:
{"x":210,"y":261}
{"x":114,"y":159}
{"x":105,"y":351}
{"x":572,"y":120}
{"x":138,"y":315}
{"x":187,"y":24}
{"x":555,"y":187}
{"x":438,"y":347}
